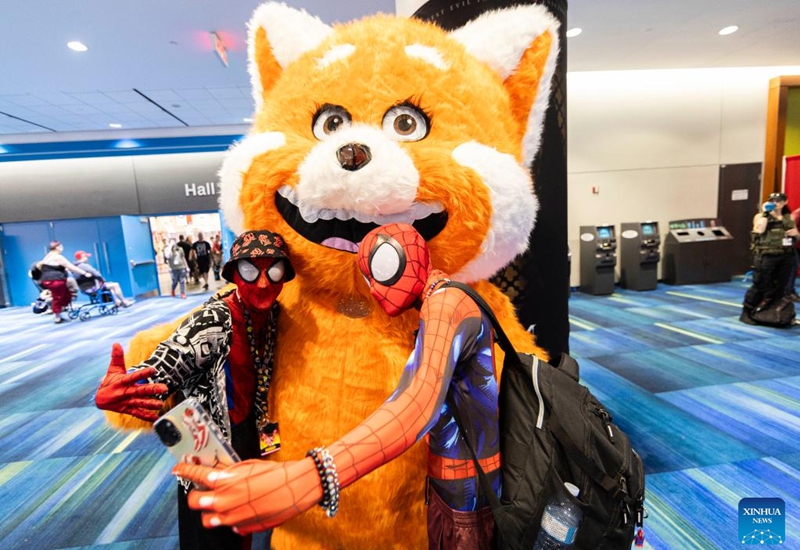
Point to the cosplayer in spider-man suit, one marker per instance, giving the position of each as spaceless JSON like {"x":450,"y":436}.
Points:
{"x":222,"y":355}
{"x":453,"y":348}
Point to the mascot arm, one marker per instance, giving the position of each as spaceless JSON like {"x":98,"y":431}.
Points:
{"x":255,"y":495}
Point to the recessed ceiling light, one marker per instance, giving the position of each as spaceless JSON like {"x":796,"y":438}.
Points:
{"x":115,"y":125}
{"x":728,"y":30}
{"x":77,"y":46}
{"x":126,"y":144}
{"x":574,"y":32}
{"x":247,"y":119}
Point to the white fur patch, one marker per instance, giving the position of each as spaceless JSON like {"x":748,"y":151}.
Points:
{"x":337,"y":53}
{"x":290,"y":32}
{"x":514,"y":208}
{"x":236,"y":164}
{"x":429,"y":55}
{"x":386,"y":185}
{"x":499,"y":38}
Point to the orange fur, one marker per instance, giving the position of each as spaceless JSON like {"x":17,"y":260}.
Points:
{"x":332,"y":371}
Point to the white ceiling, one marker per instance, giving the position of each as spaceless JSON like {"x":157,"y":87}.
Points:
{"x":161,"y":50}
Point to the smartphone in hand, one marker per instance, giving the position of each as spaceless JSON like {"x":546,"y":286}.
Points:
{"x":191,"y":436}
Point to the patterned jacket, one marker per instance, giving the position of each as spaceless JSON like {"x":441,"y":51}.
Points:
{"x":193,"y":358}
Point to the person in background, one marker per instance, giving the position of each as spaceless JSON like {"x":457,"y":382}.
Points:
{"x":54,"y":268}
{"x":191,"y":259}
{"x":773,"y":234}
{"x":222,"y":354}
{"x":216,"y":256}
{"x":791,"y":288}
{"x":202,"y":250}
{"x":176,"y":260}
{"x":82,"y":261}
{"x":185,"y":246}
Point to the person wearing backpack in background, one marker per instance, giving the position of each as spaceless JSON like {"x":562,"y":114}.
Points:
{"x":454,"y":347}
{"x":202,"y":250}
{"x":773,"y":234}
{"x":176,"y":260}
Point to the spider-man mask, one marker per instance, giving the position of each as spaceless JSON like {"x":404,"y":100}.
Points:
{"x":395,"y":261}
{"x":259,"y":281}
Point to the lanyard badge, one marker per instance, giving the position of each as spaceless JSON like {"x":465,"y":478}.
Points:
{"x":269,"y":439}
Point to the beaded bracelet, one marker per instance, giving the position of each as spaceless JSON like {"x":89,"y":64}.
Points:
{"x":329,"y":479}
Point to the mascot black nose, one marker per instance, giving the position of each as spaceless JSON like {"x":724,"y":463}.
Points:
{"x":353,"y":156}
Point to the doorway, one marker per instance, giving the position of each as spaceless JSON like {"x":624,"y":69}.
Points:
{"x":738,"y":201}
{"x":188,"y":226}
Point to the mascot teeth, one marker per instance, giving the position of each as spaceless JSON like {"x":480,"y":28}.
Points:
{"x":344,"y":229}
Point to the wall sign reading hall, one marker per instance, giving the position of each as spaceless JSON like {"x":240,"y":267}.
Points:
{"x":200,"y":189}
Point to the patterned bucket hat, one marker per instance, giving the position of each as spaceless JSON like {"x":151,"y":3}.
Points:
{"x":258,"y":244}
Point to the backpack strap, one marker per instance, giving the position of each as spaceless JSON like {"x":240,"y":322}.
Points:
{"x":485,"y":484}
{"x":500,"y":335}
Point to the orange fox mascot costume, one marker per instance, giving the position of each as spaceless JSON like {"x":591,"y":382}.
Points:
{"x":377,"y":121}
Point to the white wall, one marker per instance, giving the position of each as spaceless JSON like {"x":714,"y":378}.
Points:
{"x":652,"y":142}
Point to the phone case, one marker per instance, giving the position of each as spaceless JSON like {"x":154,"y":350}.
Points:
{"x":191,"y":435}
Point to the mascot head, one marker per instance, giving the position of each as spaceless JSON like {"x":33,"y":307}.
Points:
{"x":392,"y":120}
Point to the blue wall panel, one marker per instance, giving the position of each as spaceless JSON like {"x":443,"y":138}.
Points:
{"x":140,"y":253}
{"x":24,"y":244}
{"x":112,"y":253}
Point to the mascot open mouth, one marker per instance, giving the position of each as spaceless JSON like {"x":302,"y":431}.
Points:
{"x":345,"y":229}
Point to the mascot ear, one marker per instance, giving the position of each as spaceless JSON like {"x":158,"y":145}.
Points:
{"x":277,"y":35}
{"x":521,"y":45}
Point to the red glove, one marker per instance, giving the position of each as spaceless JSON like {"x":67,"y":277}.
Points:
{"x":253,"y":495}
{"x":120,"y":392}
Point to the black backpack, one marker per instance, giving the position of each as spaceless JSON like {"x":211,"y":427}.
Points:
{"x":780,"y":313}
{"x":553,"y":430}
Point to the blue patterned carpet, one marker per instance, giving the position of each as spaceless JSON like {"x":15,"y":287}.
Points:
{"x":67,"y":480}
{"x":712,"y":405}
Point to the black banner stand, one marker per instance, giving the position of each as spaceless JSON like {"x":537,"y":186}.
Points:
{"x":537,"y":281}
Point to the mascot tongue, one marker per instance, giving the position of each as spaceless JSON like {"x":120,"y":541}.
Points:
{"x":340,"y":244}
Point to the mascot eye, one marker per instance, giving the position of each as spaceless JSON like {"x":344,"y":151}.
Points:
{"x":247,"y":271}
{"x":387,"y":262}
{"x":405,"y":123}
{"x":276,"y":271}
{"x":329,"y":119}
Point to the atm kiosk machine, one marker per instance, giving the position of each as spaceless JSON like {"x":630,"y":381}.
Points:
{"x":639,"y":255}
{"x":598,"y":259}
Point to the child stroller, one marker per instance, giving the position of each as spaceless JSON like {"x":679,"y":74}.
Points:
{"x":100,"y":299}
{"x":43,"y":302}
